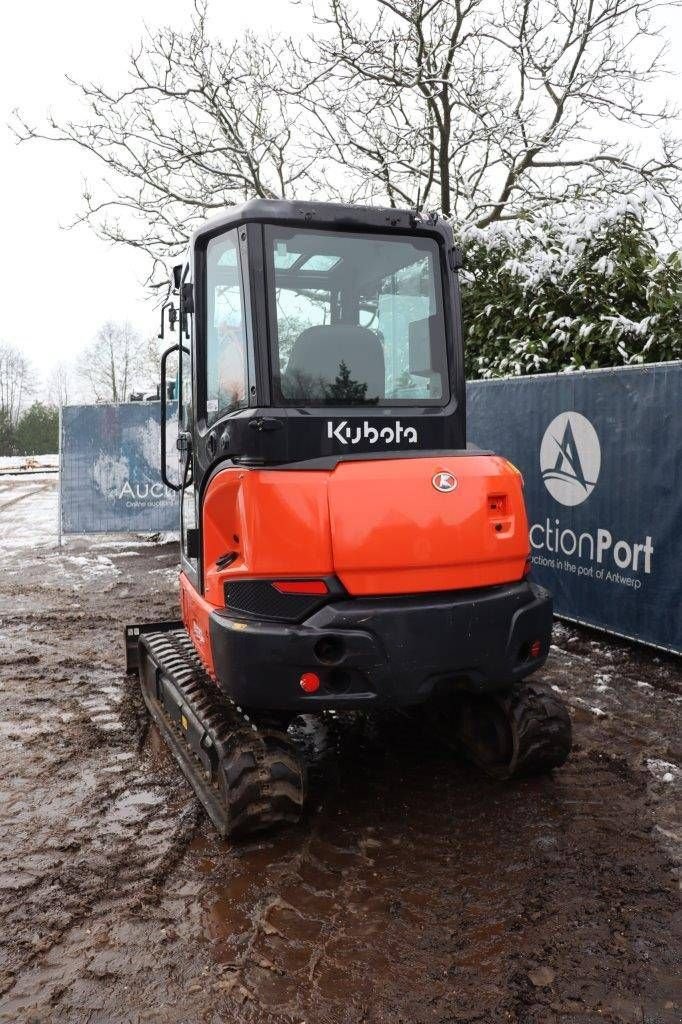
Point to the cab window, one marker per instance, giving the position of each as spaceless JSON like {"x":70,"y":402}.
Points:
{"x":226,"y":361}
{"x":356,"y":319}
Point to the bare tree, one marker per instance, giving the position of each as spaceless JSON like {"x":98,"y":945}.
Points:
{"x":17,"y":383}
{"x":114,"y":363}
{"x":59,"y":384}
{"x":151,"y":360}
{"x":494,"y":110}
{"x":489,"y":110}
{"x":200,"y":126}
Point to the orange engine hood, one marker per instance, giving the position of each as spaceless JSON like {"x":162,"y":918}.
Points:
{"x":394,"y":532}
{"x":380,"y":525}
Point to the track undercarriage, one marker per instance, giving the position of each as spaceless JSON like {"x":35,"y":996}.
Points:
{"x":248,"y":773}
{"x":519,"y":732}
{"x":249,"y":777}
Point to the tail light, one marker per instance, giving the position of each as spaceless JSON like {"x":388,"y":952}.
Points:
{"x":301,"y":586}
{"x":309,"y":682}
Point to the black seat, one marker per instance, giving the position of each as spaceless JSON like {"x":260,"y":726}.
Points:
{"x":317,"y":356}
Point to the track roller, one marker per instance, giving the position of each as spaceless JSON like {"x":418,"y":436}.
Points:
{"x":526,"y":731}
{"x":249,"y":778}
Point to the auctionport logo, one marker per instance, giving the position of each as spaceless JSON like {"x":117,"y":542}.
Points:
{"x":570,"y":458}
{"x":570,"y":462}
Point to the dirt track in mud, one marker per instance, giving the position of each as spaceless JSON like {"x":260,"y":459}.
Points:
{"x":414,"y":891}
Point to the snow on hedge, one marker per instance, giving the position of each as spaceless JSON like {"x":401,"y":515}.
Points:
{"x":592,"y":289}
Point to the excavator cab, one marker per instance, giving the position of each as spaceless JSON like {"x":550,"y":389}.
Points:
{"x":341,"y":546}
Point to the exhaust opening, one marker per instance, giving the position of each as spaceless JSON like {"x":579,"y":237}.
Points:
{"x":330,"y":650}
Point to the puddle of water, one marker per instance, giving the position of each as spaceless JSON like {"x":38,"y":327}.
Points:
{"x":383,"y":860}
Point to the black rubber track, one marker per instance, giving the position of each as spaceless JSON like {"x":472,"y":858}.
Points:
{"x":249,"y":778}
{"x":524,"y":732}
{"x":263,"y":782}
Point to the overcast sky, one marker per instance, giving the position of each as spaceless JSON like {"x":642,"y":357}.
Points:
{"x":58,"y":286}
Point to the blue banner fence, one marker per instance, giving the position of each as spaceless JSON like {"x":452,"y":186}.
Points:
{"x":601,"y":456}
{"x":110,"y":480}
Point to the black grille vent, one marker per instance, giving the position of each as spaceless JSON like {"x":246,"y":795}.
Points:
{"x":259,"y":597}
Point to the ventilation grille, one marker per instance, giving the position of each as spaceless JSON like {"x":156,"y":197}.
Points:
{"x":259,"y":597}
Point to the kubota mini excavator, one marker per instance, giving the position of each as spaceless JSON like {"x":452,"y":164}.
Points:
{"x":341,"y":547}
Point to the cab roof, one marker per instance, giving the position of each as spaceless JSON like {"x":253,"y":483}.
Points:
{"x":335,"y":216}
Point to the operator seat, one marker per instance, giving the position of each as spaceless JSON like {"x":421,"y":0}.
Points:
{"x":317,"y":354}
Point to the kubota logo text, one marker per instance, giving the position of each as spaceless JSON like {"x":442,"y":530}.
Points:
{"x":570,"y":458}
{"x":346,"y":434}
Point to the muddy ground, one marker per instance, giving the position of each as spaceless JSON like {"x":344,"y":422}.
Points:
{"x":414,"y":891}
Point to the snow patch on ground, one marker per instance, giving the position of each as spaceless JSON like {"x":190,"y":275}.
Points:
{"x":100,"y":565}
{"x":664,"y":771}
{"x":141,"y":540}
{"x":603,"y":682}
{"x":28,"y":511}
{"x":168,"y":537}
{"x":29,"y":506}
{"x":171,"y":575}
{"x":599,"y":712}
{"x":26,"y":462}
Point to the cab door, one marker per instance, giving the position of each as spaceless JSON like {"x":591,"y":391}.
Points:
{"x":189,"y":512}
{"x":178,"y":434}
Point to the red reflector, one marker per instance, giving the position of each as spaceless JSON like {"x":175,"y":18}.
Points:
{"x":535,"y":649}
{"x":309,"y":682}
{"x":301,"y":586}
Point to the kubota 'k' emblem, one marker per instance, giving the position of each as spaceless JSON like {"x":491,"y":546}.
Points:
{"x":444,"y":482}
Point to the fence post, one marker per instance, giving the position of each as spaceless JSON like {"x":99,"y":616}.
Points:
{"x":59,"y":481}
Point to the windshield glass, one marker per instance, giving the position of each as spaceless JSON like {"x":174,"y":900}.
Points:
{"x":356,"y":319}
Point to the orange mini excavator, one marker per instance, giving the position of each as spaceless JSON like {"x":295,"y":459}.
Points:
{"x":341,"y":546}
